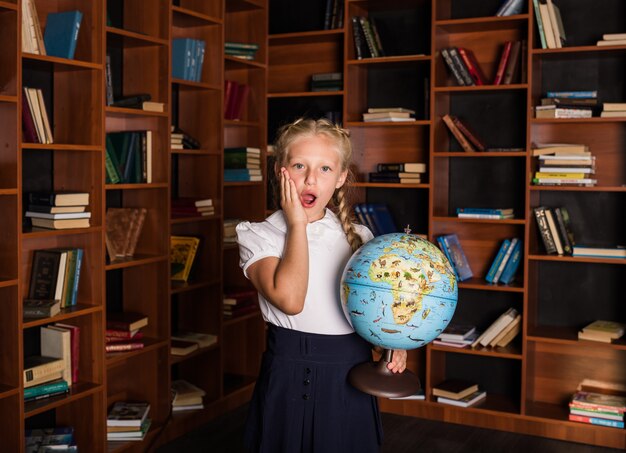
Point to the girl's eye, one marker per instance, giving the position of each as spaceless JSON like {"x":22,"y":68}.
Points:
{"x":298,"y":166}
{"x":325,"y":168}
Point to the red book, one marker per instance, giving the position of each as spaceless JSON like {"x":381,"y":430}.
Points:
{"x":230,"y":93}
{"x":28,"y":124}
{"x":120,"y":339}
{"x":469,"y":134}
{"x":127,"y":321}
{"x":504,"y":58}
{"x":125,"y":346}
{"x":472,"y":66}
{"x":75,"y":344}
{"x":241,"y":99}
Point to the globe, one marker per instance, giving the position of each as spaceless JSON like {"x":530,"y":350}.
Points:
{"x":399,"y":291}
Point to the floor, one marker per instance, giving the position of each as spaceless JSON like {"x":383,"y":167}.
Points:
{"x":402,"y":435}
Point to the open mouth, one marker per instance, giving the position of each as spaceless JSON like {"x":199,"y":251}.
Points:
{"x":308,"y":200}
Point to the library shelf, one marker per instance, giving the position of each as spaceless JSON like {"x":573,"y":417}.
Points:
{"x":61,"y":64}
{"x":114,"y":359}
{"x":8,"y":5}
{"x":578,"y":49}
{"x":480,"y":88}
{"x":568,"y":336}
{"x":298,"y":94}
{"x":479,"y":23}
{"x":464,"y":220}
{"x":234,"y":6}
{"x":196,"y":85}
{"x":61,"y":147}
{"x":393,"y":60}
{"x":134,"y":39}
{"x":388,"y":185}
{"x":464,"y":154}
{"x":192,"y":219}
{"x":66,"y":313}
{"x":579,"y":189}
{"x":8,"y":98}
{"x":174,"y":359}
{"x":135,"y":261}
{"x":8,"y":283}
{"x":240,"y":63}
{"x":8,"y":192}
{"x":7,"y":391}
{"x":77,"y":391}
{"x":183,"y":287}
{"x":511,"y":351}
{"x":593,"y":120}
{"x":197,"y":152}
{"x":32,"y":233}
{"x":483,"y":285}
{"x":494,"y":403}
{"x":121,"y":446}
{"x":186,"y":17}
{"x":303,"y":37}
{"x":124,"y":112}
{"x":137,"y":186}
{"x":577,"y":259}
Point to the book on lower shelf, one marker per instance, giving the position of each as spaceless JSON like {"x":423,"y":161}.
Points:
{"x":451,"y":247}
{"x":186,"y":396}
{"x":129,"y":155}
{"x":604,"y":407}
{"x":239,"y":301}
{"x":55,"y":276}
{"x":183,"y":251}
{"x":59,"y":438}
{"x":192,"y":207}
{"x":188,"y":58}
{"x":58,"y":210}
{"x":457,"y":336}
{"x":123,"y":331}
{"x":602,"y":331}
{"x":510,"y":319}
{"x":128,"y":421}
{"x":467,"y":401}
{"x":455,"y":389}
{"x":506,"y":262}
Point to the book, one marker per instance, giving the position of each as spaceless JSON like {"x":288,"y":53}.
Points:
{"x":64,"y":215}
{"x":125,"y":320}
{"x":59,"y":198}
{"x":469,"y":60}
{"x":452,"y":67}
{"x":466,"y":401}
{"x":455,"y":389}
{"x":402,"y":167}
{"x":469,"y":134}
{"x":182,"y":347}
{"x":512,"y":68}
{"x":510,"y":268}
{"x":554,"y":232}
{"x":457,"y":332}
{"x":497,"y":261}
{"x":41,"y":369}
{"x":544,"y":230}
{"x":47,"y":274}
{"x":457,"y":134}
{"x":124,"y":413}
{"x":75,"y":347}
{"x":203,"y":340}
{"x":185,"y":393}
{"x":123,"y":346}
{"x":40,"y":308}
{"x":599,"y":401}
{"x":56,"y":342}
{"x":605,"y":387}
{"x":502,"y":64}
{"x":183,"y":251}
{"x":134,"y":435}
{"x":495,"y":328}
{"x":458,"y":258}
{"x":61,"y":33}
{"x":599,"y":252}
{"x":504,"y":332}
{"x":46,"y":390}
{"x":596,"y":421}
{"x":610,"y":329}
{"x":62,"y":224}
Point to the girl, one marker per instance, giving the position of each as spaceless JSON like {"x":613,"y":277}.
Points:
{"x":302,"y":401}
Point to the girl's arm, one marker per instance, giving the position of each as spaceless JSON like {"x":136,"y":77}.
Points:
{"x":284,"y":282}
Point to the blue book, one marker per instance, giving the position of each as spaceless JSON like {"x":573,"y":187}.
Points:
{"x":382,"y":218}
{"x":200,"y":59}
{"x":508,"y":274}
{"x":458,"y":257}
{"x":79,"y":261}
{"x":61,"y":33}
{"x":444,"y":249}
{"x":178,"y":58}
{"x":360,"y":214}
{"x":572,"y":94}
{"x":193,"y":61}
{"x":497,"y":261}
{"x":489,"y":211}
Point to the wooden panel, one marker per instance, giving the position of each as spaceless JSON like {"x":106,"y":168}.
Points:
{"x":10,"y":374}
{"x":13,"y":426}
{"x":8,"y":59}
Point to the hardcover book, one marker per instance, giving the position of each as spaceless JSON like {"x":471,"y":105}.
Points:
{"x":458,"y":258}
{"x":128,"y":414}
{"x":61,"y":33}
{"x":182,"y":254}
{"x":455,"y":389}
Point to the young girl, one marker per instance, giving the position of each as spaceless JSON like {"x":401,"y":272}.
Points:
{"x":302,"y":401}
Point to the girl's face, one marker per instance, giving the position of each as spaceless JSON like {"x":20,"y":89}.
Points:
{"x":314,"y":166}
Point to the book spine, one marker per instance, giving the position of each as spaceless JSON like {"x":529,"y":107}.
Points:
{"x":505,"y":260}
{"x":358,"y":39}
{"x":468,"y":134}
{"x":544,"y":230}
{"x":118,"y":347}
{"x":445,"y":54}
{"x":511,"y":267}
{"x":369,"y":36}
{"x":28,"y":124}
{"x":45,"y":395}
{"x":572,"y":94}
{"x":111,"y":174}
{"x":472,"y":68}
{"x":504,"y":58}
{"x":496,"y":262}
{"x":465,"y":144}
{"x":513,"y":63}
{"x":560,"y":223}
{"x":540,"y":30}
{"x":596,"y":421}
{"x":458,"y":62}
{"x":41,"y":371}
{"x":43,"y":389}
{"x":37,"y":312}
{"x":553,"y":231}
{"x":79,"y":262}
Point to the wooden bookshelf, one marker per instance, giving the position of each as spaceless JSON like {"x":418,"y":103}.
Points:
{"x":529,"y":382}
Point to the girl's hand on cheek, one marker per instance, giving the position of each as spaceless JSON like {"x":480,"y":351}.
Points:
{"x":290,"y":201}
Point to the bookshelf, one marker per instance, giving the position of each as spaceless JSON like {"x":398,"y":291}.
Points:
{"x":530,"y":381}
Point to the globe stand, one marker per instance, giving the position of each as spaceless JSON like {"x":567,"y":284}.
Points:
{"x":376,"y":379}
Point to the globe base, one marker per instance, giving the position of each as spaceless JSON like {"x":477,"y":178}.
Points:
{"x":376,"y":379}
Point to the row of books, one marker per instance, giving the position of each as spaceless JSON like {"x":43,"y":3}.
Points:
{"x":230,"y":232}
{"x":123,"y":331}
{"x":327,"y":81}
{"x":35,"y":122}
{"x":239,"y":301}
{"x":501,"y":331}
{"x":602,"y":331}
{"x":457,"y":335}
{"x":235,"y":97}
{"x":128,"y":157}
{"x":183,"y":251}
{"x":60,"y":35}
{"x":375,"y":216}
{"x":141,"y":101}
{"x":485,"y":213}
{"x":598,"y":403}
{"x":58,"y":210}
{"x":54,"y":280}
{"x":506,"y":263}
{"x":242,"y":164}
{"x":186,"y":396}
{"x":184,"y":343}
{"x":549,"y":24}
{"x":47,"y":440}
{"x":188,"y":58}
{"x":333,"y":14}
{"x":467,"y":138}
{"x":192,"y":207}
{"x":400,"y":173}
{"x":123,"y":228}
{"x":463,"y":65}
{"x":128,"y":421}
{"x":180,"y":139}
{"x":613,"y":110}
{"x":367,"y":42}
{"x":612,"y":39}
{"x":458,"y":392}
{"x":564,"y":164}
{"x":244,"y":51}
{"x":567,"y":104}
{"x":394,"y":114}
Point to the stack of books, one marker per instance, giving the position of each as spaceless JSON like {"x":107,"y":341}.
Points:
{"x":242,"y":164}
{"x":464,"y":67}
{"x":186,"y":396}
{"x":329,"y":81}
{"x":239,"y":301}
{"x":230,"y":233}
{"x":35,"y":122}
{"x":32,"y":37}
{"x":511,"y":67}
{"x":367,"y":42}
{"x":333,"y":14}
{"x":188,"y":59}
{"x":192,"y":207}
{"x":555,"y":230}
{"x":399,"y":173}
{"x":393,"y":114}
{"x":564,"y":164}
{"x":128,"y":157}
{"x":612,"y":39}
{"x":613,"y":110}
{"x":567,"y":104}
{"x":123,"y":228}
{"x":48,"y":440}
{"x":451,"y":247}
{"x":618,"y":252}
{"x":183,"y":250}
{"x":598,"y":409}
{"x":377,"y":217}
{"x":128,"y":421}
{"x":123,"y":331}
{"x":235,"y":98}
{"x":502,"y":331}
{"x":55,"y":276}
{"x":504,"y":266}
{"x":549,"y":24}
{"x":485,"y":213}
{"x":457,"y":392}
{"x":203,"y":340}
{"x":179,"y":139}
{"x":58,"y":210}
{"x":141,"y":101}
{"x":602,"y":331}
{"x":468,"y":139}
{"x":418,"y":396}
{"x":242,"y":50}
{"x":457,"y":336}
{"x":41,"y":369}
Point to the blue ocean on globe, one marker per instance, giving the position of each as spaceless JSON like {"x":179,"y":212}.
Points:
{"x":399,"y":291}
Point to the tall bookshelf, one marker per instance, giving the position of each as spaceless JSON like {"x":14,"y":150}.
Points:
{"x":530,"y":381}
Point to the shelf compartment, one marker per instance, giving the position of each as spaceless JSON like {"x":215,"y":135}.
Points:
{"x":124,"y":112}
{"x":113,"y":446}
{"x":196,"y":152}
{"x":481,"y":23}
{"x":177,"y":359}
{"x":8,"y":5}
{"x":481,"y":284}
{"x":189,"y":18}
{"x":134,"y":39}
{"x":196,"y":85}
{"x":9,"y":59}
{"x":150,"y":345}
{"x":9,"y":245}
{"x":77,"y":391}
{"x":392,"y":60}
{"x":239,"y":123}
{"x":193,"y":219}
{"x":135,"y":261}
{"x":205,"y":128}
{"x":185,"y":27}
{"x":239,"y":63}
{"x":306,"y":37}
{"x":461,"y":89}
{"x":495,"y":403}
{"x":182,"y":287}
{"x":464,"y":220}
{"x":480,"y":154}
{"x":201,"y":9}
{"x":383,"y":185}
{"x":566,"y":335}
{"x":136,"y":186}
{"x":233,"y":6}
{"x":9,"y":153}
{"x":10,"y":349}
{"x":62,"y":64}
{"x":32,"y":233}
{"x":67,"y":313}
{"x":572,"y":259}
{"x":449,"y":11}
{"x":509,"y":352}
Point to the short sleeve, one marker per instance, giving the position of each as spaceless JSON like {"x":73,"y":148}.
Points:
{"x":364,"y":232}
{"x":255,"y":243}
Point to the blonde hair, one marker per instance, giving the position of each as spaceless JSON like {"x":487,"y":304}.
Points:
{"x":340,"y":138}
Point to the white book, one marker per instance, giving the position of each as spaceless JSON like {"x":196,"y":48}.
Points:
{"x":56,"y":342}
{"x":506,"y":330}
{"x":554,"y":231}
{"x":553,"y":23}
{"x":494,"y":329}
{"x":614,"y":36}
{"x":64,"y":215}
{"x":464,"y":402}
{"x":58,"y":290}
{"x":148,"y":156}
{"x":547,"y":26}
{"x":613,"y":42}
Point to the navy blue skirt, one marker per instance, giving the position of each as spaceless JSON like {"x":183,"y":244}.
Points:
{"x":302,"y":400}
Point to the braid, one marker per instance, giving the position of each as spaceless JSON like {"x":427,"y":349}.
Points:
{"x":345,"y":217}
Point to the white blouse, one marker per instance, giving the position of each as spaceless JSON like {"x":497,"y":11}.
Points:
{"x":329,"y":252}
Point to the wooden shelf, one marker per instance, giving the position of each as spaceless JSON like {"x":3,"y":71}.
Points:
{"x":509,"y":352}
{"x":579,"y":189}
{"x":302,"y":94}
{"x":239,"y":123}
{"x":473,"y":88}
{"x":183,"y":287}
{"x":8,"y":5}
{"x":243,"y":183}
{"x":136,"y":186}
{"x":483,"y":285}
{"x":192,"y":219}
{"x":394,"y":60}
{"x":62,"y":147}
{"x":196,"y":85}
{"x":594,"y":120}
{"x":228,"y":322}
{"x":578,"y":49}
{"x":120,"y":446}
{"x":123,"y":112}
{"x":150,"y":345}
{"x":8,"y":283}
{"x":239,"y":63}
{"x":8,"y":98}
{"x":481,"y":24}
{"x":190,"y":18}
{"x":65,"y":314}
{"x":8,"y":192}
{"x":41,"y":232}
{"x":7,"y":391}
{"x":77,"y":391}
{"x":480,"y":154}
{"x":197,"y":152}
{"x":133,"y":39}
{"x":463,"y":220}
{"x":174,"y":359}
{"x":388,"y":185}
{"x":577,"y":259}
{"x":306,"y":37}
{"x":376,"y":124}
{"x":61,"y":64}
{"x":137,"y":260}
{"x":499,"y":404}
{"x":234,"y":6}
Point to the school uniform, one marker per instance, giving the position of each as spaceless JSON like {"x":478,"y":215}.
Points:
{"x":302,"y":401}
